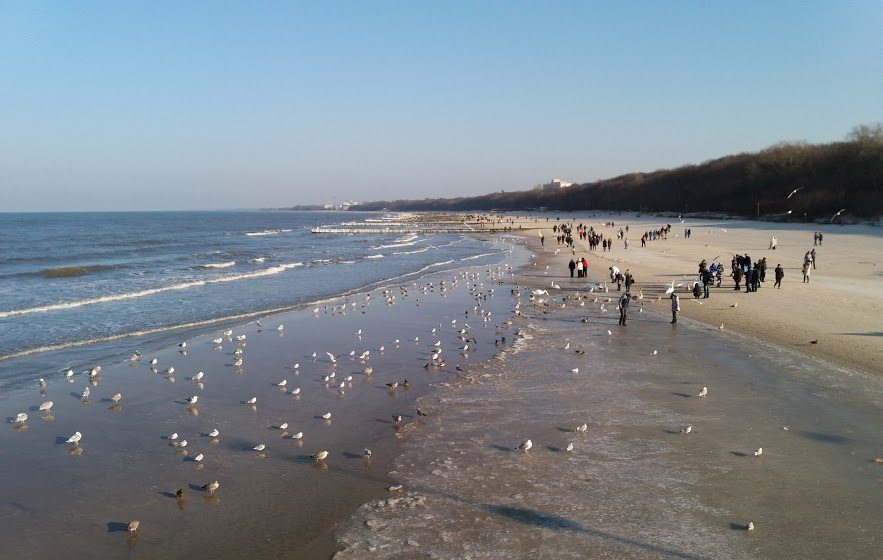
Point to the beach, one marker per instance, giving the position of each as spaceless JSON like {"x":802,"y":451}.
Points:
{"x":449,"y":483}
{"x":635,"y":485}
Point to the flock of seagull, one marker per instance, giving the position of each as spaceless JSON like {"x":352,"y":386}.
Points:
{"x":330,"y":380}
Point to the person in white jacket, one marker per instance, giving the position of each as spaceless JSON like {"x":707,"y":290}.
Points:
{"x":675,"y":307}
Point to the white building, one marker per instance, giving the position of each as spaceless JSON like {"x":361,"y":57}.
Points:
{"x":557,"y":184}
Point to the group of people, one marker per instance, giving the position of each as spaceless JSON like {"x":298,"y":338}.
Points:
{"x":654,"y":234}
{"x":580,"y":265}
{"x":809,"y":264}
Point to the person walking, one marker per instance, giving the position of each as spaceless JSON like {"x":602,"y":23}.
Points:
{"x":812,"y":256}
{"x":806,"y":268}
{"x":572,"y":267}
{"x":737,"y":276}
{"x":629,"y":280}
{"x":780,"y":273}
{"x":675,"y":307}
{"x":579,"y":268}
{"x":624,"y":301}
{"x":707,"y":280}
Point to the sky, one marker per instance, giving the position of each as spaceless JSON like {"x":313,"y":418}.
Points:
{"x":167,"y":105}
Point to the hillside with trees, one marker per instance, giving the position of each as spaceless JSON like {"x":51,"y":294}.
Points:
{"x":833,"y":176}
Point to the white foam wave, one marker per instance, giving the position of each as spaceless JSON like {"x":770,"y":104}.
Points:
{"x":423,"y":250}
{"x":267,"y":232}
{"x":219,"y":265}
{"x":377,"y":256}
{"x":257,"y":260}
{"x":478,"y":256}
{"x":148,"y":292}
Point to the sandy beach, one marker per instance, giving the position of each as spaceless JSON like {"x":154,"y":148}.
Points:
{"x":634,"y":485}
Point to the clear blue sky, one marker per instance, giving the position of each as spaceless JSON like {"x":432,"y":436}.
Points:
{"x":167,"y":105}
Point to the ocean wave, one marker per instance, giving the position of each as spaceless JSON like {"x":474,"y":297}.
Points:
{"x":257,"y":260}
{"x":377,"y":256}
{"x":219,"y":265}
{"x":478,"y":256}
{"x":76,"y":270}
{"x":423,"y":250}
{"x":148,"y":292}
{"x":267,"y":232}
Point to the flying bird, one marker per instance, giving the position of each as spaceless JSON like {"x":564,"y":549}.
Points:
{"x":795,"y":191}
{"x":842,"y":210}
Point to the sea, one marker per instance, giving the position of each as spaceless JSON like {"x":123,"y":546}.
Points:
{"x":83,"y":288}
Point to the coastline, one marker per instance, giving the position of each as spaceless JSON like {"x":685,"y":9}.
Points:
{"x":651,"y":491}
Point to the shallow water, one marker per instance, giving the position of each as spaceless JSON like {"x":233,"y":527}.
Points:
{"x":279,"y":503}
{"x":634,"y":486}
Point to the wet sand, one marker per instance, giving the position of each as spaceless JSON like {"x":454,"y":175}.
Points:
{"x":634,"y":486}
{"x":278,"y":503}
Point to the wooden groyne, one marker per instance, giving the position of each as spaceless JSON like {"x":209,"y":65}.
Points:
{"x":402,"y":230}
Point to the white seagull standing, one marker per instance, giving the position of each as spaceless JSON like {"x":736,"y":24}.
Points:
{"x":75,"y":439}
{"x":524,"y":446}
{"x":703,"y":392}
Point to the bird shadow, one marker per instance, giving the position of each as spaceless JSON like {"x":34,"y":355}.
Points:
{"x":196,"y":487}
{"x":684,"y":395}
{"x":169,"y":494}
{"x":76,"y":395}
{"x":351,"y":455}
{"x":117,"y":526}
{"x":501,"y":447}
{"x":565,"y":430}
{"x":383,"y":421}
{"x":60,"y":440}
{"x":303,"y":459}
{"x":737,"y":526}
{"x":672,"y":431}
{"x":553,"y":449}
{"x":739,"y":454}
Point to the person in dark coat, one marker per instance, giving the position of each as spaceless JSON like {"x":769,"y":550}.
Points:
{"x":737,"y":276}
{"x":780,"y":273}
{"x":572,"y":267}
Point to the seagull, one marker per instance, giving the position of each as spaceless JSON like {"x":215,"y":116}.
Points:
{"x":182,"y":345}
{"x":299,"y":435}
{"x":326,"y":416}
{"x":214,"y":433}
{"x":842,"y":210}
{"x":85,"y":394}
{"x":295,"y":391}
{"x":283,"y":426}
{"x":421,"y":413}
{"x":252,"y":400}
{"x":198,"y":376}
{"x":116,"y":398}
{"x":173,"y":436}
{"x":759,"y":452}
{"x":169,"y":371}
{"x":69,"y":373}
{"x":331,"y":357}
{"x":217,"y":340}
{"x":133,"y":526}
{"x":320,"y":455}
{"x":749,"y":526}
{"x":393,"y":385}
{"x":75,"y":439}
{"x":575,"y":370}
{"x":397,"y":418}
{"x":366,"y":453}
{"x":259,"y":447}
{"x":524,"y":446}
{"x":153,"y":362}
{"x":193,"y":399}
{"x":199,"y":458}
{"x":687,"y":430}
{"x":20,"y":418}
{"x":282,"y":383}
{"x":46,"y":406}
{"x":181,"y":444}
{"x":569,"y":447}
{"x":582,"y":427}
{"x":212,"y":486}
{"x":795,"y":191}
{"x":703,"y":392}
{"x":609,"y":333}
{"x":280,"y":328}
